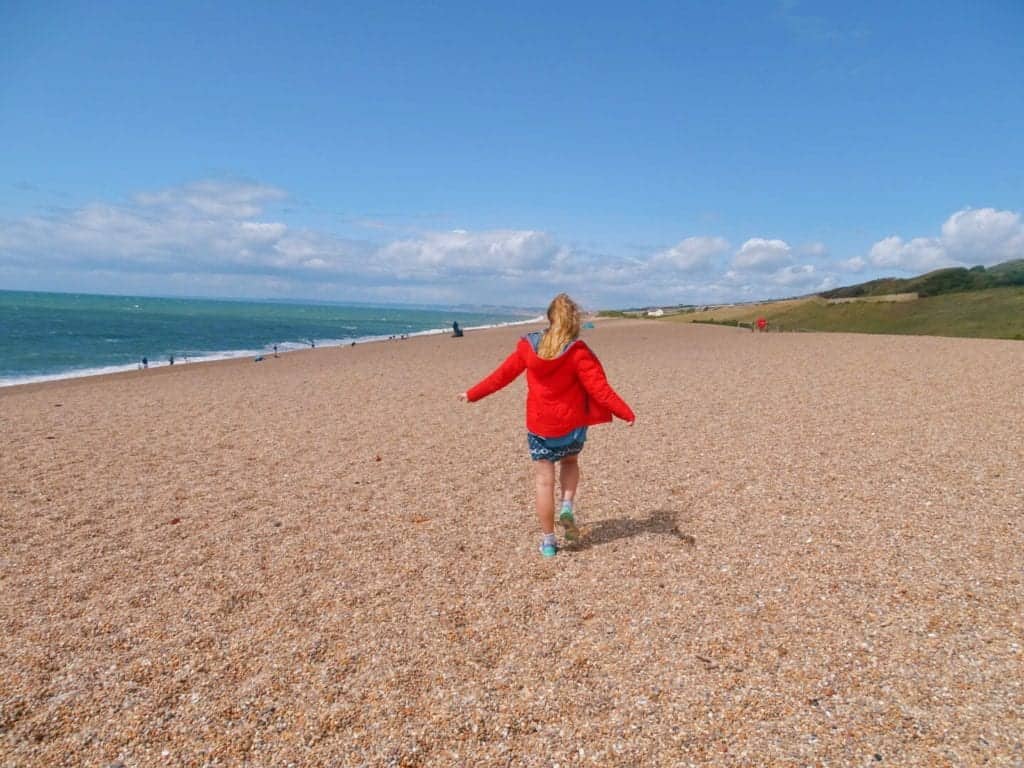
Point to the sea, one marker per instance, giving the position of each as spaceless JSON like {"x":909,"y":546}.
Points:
{"x":46,"y":336}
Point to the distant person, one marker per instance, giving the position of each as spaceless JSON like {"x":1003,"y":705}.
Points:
{"x":566,"y":392}
{"x":145,"y":362}
{"x":312,"y":344}
{"x":275,"y":350}
{"x":456,"y":330}
{"x":170,"y":360}
{"x":762,"y":324}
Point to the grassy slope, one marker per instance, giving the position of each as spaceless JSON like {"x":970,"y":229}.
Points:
{"x":939,"y":281}
{"x":993,"y":313}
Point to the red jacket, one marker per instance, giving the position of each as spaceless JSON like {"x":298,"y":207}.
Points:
{"x":567,"y":392}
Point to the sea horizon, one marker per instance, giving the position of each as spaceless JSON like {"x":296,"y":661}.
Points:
{"x":511,"y":309}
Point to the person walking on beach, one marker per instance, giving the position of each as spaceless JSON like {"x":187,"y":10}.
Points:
{"x":567,"y":391}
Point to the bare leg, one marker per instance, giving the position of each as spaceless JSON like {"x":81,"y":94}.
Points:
{"x":569,"y":476}
{"x":545,"y":476}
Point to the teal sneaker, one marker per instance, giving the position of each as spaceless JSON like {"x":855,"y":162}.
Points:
{"x":567,"y":520}
{"x":547,"y":549}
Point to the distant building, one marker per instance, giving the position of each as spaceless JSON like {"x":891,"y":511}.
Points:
{"x":655,"y":312}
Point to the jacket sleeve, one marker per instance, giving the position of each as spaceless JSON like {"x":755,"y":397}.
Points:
{"x":502,"y":376}
{"x":593,"y":379}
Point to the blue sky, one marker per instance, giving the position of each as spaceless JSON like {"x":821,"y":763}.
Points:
{"x":651,"y":152}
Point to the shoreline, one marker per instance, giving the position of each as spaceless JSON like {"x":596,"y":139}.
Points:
{"x":241,"y":354}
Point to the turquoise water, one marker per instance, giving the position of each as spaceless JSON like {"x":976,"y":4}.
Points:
{"x":58,"y":335}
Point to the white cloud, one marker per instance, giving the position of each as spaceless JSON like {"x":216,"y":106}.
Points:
{"x":691,"y":254}
{"x":920,"y":254}
{"x":828,"y":282}
{"x":795,"y":275}
{"x":207,"y":228}
{"x":970,"y":236}
{"x":217,"y":234}
{"x":817,"y":250}
{"x":764,"y":269}
{"x":791,"y":280}
{"x":213,"y":198}
{"x":760,"y":254}
{"x":263,"y":230}
{"x":984,"y":236}
{"x":499,"y":253}
{"x":223,"y":238}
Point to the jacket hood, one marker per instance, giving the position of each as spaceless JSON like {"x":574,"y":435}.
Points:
{"x":534,"y":360}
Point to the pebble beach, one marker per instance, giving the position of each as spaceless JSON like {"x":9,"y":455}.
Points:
{"x":808,"y":551}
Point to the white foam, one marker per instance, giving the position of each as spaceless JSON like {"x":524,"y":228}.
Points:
{"x":234,"y":354}
{"x":13,"y":381}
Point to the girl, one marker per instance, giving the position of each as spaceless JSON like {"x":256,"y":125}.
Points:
{"x":566,"y":392}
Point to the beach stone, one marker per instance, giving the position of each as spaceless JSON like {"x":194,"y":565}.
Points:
{"x":407,"y":615}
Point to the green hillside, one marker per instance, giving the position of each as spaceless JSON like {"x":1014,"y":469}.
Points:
{"x":941,"y":281}
{"x":991,"y":313}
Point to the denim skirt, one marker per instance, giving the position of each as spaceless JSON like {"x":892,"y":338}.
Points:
{"x":556,"y":448}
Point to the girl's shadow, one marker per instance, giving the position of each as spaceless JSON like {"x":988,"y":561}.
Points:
{"x":661,"y":521}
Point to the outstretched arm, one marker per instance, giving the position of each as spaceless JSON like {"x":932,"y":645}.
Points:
{"x":503,"y":375}
{"x":593,"y":379}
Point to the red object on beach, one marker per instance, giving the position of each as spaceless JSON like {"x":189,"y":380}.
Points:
{"x":564,"y":393}
{"x":761,"y":323}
